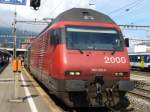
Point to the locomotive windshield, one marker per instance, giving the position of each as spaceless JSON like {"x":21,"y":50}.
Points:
{"x":93,"y":39}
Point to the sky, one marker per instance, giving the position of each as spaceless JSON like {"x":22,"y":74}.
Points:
{"x":121,"y":11}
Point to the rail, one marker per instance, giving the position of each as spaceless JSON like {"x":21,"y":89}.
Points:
{"x":142,"y":90}
{"x":3,"y":67}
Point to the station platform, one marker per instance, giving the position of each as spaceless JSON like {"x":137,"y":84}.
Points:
{"x":34,"y":99}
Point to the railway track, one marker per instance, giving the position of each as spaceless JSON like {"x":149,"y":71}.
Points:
{"x":3,"y":67}
{"x":141,"y":73}
{"x":142,"y":85}
{"x":141,"y":77}
{"x":140,"y":96}
{"x":141,"y":93}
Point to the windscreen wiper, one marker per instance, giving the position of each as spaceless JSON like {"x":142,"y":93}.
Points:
{"x":114,"y":50}
{"x":80,"y":51}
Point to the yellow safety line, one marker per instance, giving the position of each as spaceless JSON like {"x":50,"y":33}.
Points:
{"x":51,"y":104}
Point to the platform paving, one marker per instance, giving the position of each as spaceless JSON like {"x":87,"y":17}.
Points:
{"x":32,"y":100}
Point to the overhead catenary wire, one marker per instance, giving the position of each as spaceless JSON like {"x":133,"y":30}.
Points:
{"x":55,"y":8}
{"x":135,"y":9}
{"x":135,"y":5}
{"x":128,"y":10}
{"x":124,"y":7}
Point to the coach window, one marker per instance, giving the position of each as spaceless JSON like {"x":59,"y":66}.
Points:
{"x":148,"y":58}
{"x":136,"y":58}
{"x":132,"y":58}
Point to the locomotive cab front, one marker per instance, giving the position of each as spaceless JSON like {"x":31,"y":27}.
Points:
{"x":95,"y":59}
{"x":95,"y":50}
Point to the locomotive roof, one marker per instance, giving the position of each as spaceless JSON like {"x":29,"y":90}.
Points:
{"x":84,"y":15}
{"x":81,"y":14}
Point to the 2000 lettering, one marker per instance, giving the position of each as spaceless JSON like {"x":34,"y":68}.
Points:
{"x":114,"y":59}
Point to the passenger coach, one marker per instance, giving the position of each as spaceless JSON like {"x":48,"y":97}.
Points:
{"x":140,"y":60}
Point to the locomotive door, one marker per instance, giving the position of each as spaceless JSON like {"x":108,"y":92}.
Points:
{"x":55,"y":39}
{"x":50,"y":51}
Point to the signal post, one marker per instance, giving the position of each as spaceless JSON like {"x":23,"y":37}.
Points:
{"x":16,"y":65}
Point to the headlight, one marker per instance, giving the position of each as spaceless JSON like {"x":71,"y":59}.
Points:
{"x":116,"y":74}
{"x":120,"y":73}
{"x":72,"y":73}
{"x":77,"y":73}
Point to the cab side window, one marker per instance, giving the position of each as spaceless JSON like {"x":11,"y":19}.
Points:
{"x":55,"y":37}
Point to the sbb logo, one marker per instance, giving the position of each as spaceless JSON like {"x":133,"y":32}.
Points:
{"x":114,"y":59}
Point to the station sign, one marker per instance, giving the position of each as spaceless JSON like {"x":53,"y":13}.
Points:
{"x":14,"y":2}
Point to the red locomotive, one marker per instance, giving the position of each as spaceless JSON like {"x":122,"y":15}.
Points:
{"x":82,"y":58}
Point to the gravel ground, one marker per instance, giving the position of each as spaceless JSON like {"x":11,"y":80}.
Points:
{"x":138,"y":104}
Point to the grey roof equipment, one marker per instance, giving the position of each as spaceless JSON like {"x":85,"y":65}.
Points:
{"x":84,"y":15}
